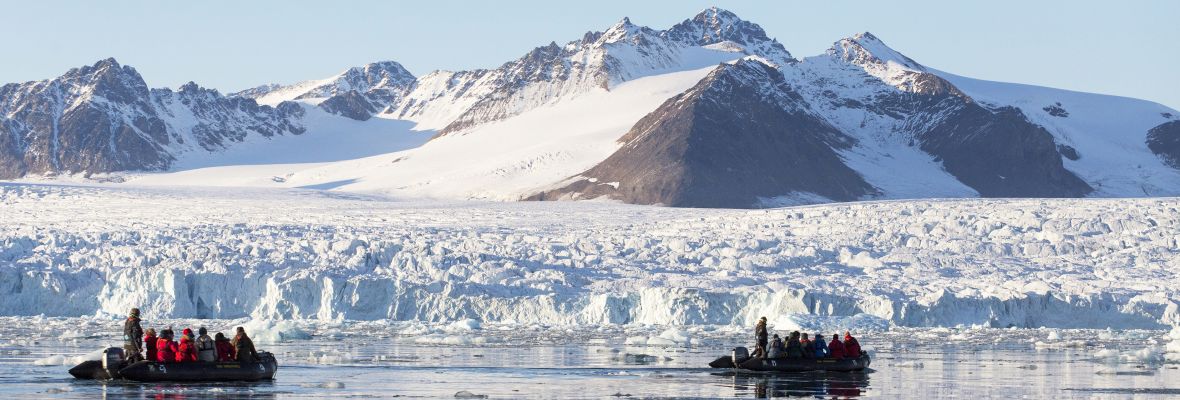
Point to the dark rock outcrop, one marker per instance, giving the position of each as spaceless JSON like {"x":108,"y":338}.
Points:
{"x":1164,"y":141}
{"x":350,"y":105}
{"x":736,"y":138}
{"x":999,"y":153}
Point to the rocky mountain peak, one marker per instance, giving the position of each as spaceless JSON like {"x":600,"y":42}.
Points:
{"x":107,"y":79}
{"x":865,"y":48}
{"x":189,"y":87}
{"x":714,"y":26}
{"x":623,"y":31}
{"x":391,"y":73}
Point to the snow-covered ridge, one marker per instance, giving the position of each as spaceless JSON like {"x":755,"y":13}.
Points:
{"x":311,"y":254}
{"x":455,"y":101}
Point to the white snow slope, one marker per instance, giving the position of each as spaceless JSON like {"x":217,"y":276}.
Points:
{"x":290,"y":253}
{"x":560,"y":136}
{"x":500,"y":160}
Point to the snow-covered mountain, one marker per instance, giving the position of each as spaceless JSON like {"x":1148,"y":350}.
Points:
{"x":912,"y":131}
{"x":103,"y":118}
{"x":453,"y":101}
{"x":653,"y":116}
{"x":740,"y":135}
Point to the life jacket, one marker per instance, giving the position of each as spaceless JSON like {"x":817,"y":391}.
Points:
{"x":225,"y":350}
{"x":206,"y":349}
{"x":836,"y":349}
{"x":165,"y":350}
{"x":149,"y":344}
{"x":794,"y":350}
{"x":821,"y":348}
{"x":776,"y":348}
{"x":187,"y":351}
{"x":851,"y":346}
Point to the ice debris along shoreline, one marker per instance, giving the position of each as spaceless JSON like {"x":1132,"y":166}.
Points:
{"x":316,"y":342}
{"x":299,"y":254}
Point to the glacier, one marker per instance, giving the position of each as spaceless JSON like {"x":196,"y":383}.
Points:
{"x":298,"y":254}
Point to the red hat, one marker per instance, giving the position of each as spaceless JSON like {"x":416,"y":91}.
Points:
{"x":188,"y":332}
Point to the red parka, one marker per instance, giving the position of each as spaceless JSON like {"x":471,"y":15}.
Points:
{"x":851,"y":346}
{"x":225,"y":351}
{"x":187,"y":351}
{"x":165,"y":350}
{"x":836,"y":349}
{"x":149,"y":346}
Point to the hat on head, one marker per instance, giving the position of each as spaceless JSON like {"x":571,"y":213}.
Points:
{"x":202,"y":330}
{"x":135,"y":312}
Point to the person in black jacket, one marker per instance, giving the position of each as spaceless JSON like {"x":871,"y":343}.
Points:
{"x":244,"y":347}
{"x":762,"y":337}
{"x":794,"y":349}
{"x":133,"y":337}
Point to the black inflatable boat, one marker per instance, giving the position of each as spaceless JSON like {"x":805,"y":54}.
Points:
{"x":740,"y":359}
{"x":112,"y":366}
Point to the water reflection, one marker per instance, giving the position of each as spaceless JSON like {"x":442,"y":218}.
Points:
{"x":118,"y":390}
{"x":806,"y":384}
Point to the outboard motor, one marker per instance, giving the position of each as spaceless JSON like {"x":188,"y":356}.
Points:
{"x":740,"y":355}
{"x":112,"y":361}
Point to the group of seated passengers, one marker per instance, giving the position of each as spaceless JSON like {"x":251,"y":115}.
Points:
{"x":202,"y":348}
{"x":800,"y":346}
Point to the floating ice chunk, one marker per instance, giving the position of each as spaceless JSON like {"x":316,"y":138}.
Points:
{"x":1107,"y":334}
{"x":52,"y":360}
{"x":677,"y":336}
{"x":1061,"y":345}
{"x":78,"y":335}
{"x":1106,"y":353}
{"x":270,"y":332}
{"x":910,"y":364}
{"x":453,"y":340}
{"x":65,"y":360}
{"x":463,"y":394}
{"x":326,"y":358}
{"x":636,"y":341}
{"x":668,"y":338}
{"x":1149,"y":355}
{"x":324,"y":385}
{"x":1053,"y":335}
{"x":465,"y":325}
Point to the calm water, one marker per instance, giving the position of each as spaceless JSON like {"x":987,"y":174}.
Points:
{"x":347,"y":362}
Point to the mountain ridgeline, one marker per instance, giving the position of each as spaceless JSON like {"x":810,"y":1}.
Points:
{"x":758,"y":128}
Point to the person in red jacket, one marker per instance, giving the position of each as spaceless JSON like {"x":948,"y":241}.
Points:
{"x":225,"y":349}
{"x":165,"y":347}
{"x":187,"y":351}
{"x":836,"y":348}
{"x":851,"y":346}
{"x":149,"y":344}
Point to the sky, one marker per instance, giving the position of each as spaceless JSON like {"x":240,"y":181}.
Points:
{"x":1128,"y":48}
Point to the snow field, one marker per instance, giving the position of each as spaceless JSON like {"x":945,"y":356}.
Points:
{"x":305,"y":254}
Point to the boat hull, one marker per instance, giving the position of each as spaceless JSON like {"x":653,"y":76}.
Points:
{"x":146,"y":371}
{"x":90,"y":370}
{"x":741,"y":360}
{"x":804,"y":364}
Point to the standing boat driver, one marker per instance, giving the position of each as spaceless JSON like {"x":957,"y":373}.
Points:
{"x":761,"y":336}
{"x":133,"y":336}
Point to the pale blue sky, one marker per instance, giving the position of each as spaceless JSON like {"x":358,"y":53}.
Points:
{"x":1129,"y":48}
